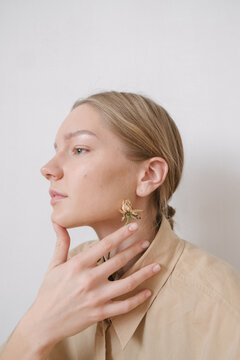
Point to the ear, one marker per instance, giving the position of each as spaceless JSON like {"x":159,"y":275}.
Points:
{"x":151,"y":175}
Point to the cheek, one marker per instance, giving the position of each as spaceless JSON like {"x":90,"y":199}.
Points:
{"x":102,"y":183}
{"x":87,"y":181}
{"x":96,"y":193}
{"x":80,"y":182}
{"x":109,"y":176}
{"x":114,"y":184}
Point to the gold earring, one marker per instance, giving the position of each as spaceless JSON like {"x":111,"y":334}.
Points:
{"x":127,"y":211}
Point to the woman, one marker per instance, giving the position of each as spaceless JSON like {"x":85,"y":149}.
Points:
{"x":115,"y":151}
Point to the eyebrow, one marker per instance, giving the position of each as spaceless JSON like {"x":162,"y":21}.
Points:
{"x":76,"y":133}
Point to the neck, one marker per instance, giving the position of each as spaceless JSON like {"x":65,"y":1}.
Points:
{"x":146,"y":232}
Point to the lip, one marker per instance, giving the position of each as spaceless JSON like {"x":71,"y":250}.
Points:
{"x":56,"y":196}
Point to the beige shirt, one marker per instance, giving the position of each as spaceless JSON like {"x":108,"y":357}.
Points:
{"x":192,"y":314}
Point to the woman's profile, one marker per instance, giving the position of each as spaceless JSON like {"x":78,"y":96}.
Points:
{"x":139,"y":291}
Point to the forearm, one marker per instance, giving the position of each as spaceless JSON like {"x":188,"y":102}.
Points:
{"x":26,"y":342}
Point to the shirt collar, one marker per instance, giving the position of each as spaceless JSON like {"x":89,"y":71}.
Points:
{"x":165,"y":249}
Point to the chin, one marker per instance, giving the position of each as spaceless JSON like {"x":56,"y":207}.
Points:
{"x":68,"y":222}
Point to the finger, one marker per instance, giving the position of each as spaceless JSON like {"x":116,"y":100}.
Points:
{"x":62,"y":245}
{"x":121,"y":307}
{"x":123,"y":286}
{"x":91,"y":255}
{"x":120,"y":259}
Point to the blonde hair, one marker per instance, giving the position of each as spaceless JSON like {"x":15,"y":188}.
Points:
{"x":147,"y":130}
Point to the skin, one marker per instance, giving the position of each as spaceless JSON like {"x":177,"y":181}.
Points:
{"x":76,"y":293}
{"x":96,"y":176}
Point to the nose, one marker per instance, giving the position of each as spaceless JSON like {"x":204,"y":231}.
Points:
{"x":49,"y":171}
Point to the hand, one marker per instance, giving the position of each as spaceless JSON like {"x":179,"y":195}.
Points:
{"x":77,"y":293}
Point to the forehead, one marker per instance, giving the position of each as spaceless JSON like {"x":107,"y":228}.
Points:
{"x":83,"y":116}
{"x":86,"y":117}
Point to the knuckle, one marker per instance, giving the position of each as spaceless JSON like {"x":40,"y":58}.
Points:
{"x":118,"y":262}
{"x":100,"y":313}
{"x":75,"y":266}
{"x":85,"y":286}
{"x":142,"y":275}
{"x":59,"y":244}
{"x":147,"y":270}
{"x":89,"y":280}
{"x":93,"y":302}
{"x":130,"y":285}
{"x":96,"y":300}
{"x":86,"y":282}
{"x":139,"y":248}
{"x":107,"y":245}
{"x":127,"y":306}
{"x":128,"y":254}
{"x":121,"y":259}
{"x":94,"y":315}
{"x":73,"y":269}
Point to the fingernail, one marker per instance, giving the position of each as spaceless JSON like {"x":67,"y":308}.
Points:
{"x":145,"y":244}
{"x":148,"y":293}
{"x":133,"y":226}
{"x":156,"y":268}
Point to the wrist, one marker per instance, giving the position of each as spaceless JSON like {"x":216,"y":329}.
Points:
{"x":35,"y":335}
{"x":22,"y":346}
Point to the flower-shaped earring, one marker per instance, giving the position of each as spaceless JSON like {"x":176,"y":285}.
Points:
{"x":127,"y":211}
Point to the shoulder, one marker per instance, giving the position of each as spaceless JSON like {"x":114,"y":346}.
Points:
{"x":210,"y":274}
{"x":81,"y":247}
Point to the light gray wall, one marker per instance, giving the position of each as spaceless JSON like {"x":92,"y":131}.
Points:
{"x":184,"y":54}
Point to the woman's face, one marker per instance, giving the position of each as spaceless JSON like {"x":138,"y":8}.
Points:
{"x":91,"y":170}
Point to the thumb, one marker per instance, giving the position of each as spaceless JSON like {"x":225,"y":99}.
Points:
{"x":62,"y":246}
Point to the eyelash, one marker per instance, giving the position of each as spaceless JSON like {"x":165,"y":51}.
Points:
{"x":78,"y":149}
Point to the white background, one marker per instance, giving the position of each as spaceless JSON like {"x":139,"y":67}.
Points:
{"x":183,"y":54}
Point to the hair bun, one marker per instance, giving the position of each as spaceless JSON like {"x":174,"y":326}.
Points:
{"x":171,"y":212}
